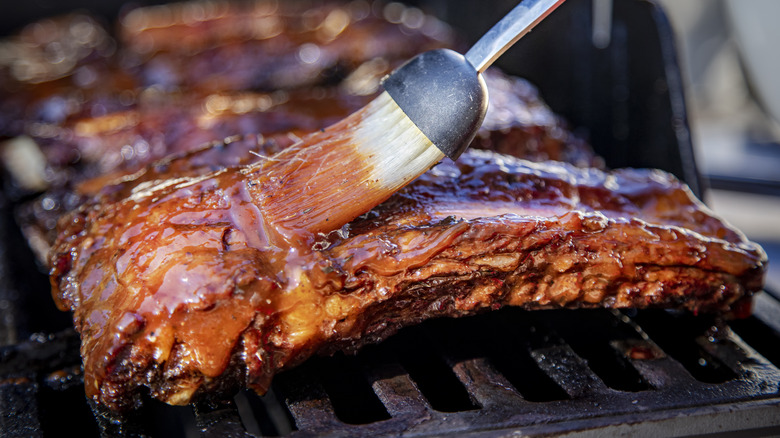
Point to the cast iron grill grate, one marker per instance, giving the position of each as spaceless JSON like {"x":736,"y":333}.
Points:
{"x":538,"y":373}
{"x":512,"y":370}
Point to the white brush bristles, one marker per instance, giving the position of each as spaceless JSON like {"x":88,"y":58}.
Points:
{"x":334,"y":175}
{"x":394,"y":145}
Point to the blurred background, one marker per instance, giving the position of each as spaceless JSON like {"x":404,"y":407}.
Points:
{"x":730,"y":59}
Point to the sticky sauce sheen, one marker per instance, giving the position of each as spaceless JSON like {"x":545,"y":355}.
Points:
{"x":186,"y":287}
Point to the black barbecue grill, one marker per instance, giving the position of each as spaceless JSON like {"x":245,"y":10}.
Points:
{"x":510,"y":372}
{"x":542,"y":373}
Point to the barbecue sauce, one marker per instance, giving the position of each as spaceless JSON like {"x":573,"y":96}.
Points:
{"x":181,"y":284}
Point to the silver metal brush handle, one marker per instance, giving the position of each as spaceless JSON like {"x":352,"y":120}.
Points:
{"x":443,"y":93}
{"x":506,"y":32}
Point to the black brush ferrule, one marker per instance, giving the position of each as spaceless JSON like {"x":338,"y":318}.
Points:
{"x":444,"y":95}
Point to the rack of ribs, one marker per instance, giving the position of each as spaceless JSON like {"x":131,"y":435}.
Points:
{"x":517,"y":123}
{"x":177,"y":283}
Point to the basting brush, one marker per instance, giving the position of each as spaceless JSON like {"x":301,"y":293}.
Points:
{"x":432,"y":107}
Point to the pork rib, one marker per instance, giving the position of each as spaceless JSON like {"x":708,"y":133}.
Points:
{"x":517,"y":123}
{"x":179,"y":286}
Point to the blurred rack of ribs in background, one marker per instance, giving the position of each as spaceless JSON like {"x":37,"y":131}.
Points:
{"x":84,"y":105}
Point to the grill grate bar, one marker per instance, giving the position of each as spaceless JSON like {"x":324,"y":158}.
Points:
{"x":486,"y":386}
{"x":112,"y":424}
{"x":397,"y":392}
{"x":569,"y":371}
{"x":309,"y":403}
{"x":496,"y":401}
{"x":219,"y":419}
{"x":306,"y":400}
{"x":499,"y":405}
{"x":41,"y":354}
{"x":677,"y":335}
{"x":264,"y":415}
{"x":658,"y":370}
{"x":746,"y":362}
{"x":514,"y":337}
{"x":592,"y":335}
{"x":427,"y":358}
{"x":760,"y":337}
{"x":767,"y":309}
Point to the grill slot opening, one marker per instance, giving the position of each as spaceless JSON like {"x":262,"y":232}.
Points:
{"x":676,"y":333}
{"x":419,"y":356}
{"x":590,"y":334}
{"x":254,"y":417}
{"x":506,"y":339}
{"x":522,"y":371}
{"x":264,"y":416}
{"x":344,"y":381}
{"x":65,"y":406}
{"x":153,"y":419}
{"x":160,"y":419}
{"x":218,"y":418}
{"x":759,"y":336}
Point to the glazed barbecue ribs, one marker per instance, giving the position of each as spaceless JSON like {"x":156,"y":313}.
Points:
{"x":178,"y":285}
{"x":518,"y":123}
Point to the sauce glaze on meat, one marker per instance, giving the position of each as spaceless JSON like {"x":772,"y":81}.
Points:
{"x":178,"y":284}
